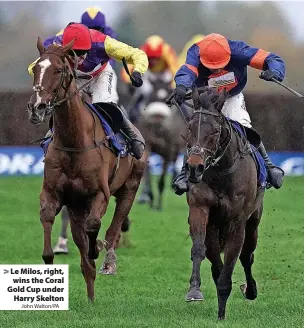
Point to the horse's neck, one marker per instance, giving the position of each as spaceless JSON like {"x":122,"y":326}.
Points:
{"x":72,"y":124}
{"x":230,"y":144}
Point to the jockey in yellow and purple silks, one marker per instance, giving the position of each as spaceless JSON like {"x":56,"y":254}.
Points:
{"x":163,"y":64}
{"x":94,"y":50}
{"x":221,"y":63}
{"x":96,"y":20}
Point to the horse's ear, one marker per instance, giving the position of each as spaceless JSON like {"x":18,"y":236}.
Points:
{"x":68,"y":47}
{"x":195,"y":96}
{"x":40,"y":46}
{"x":223,"y":95}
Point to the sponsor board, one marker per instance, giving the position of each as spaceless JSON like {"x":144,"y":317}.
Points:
{"x":29,"y":161}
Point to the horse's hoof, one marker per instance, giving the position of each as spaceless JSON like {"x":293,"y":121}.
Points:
{"x":247,"y":292}
{"x":107,"y":269}
{"x":243,"y":289}
{"x":221,"y":318}
{"x":194,"y":295}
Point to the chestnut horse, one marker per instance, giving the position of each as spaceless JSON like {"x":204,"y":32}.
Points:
{"x":225,"y":199}
{"x":80,"y":172}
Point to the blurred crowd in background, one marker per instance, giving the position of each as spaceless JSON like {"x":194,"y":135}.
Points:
{"x":273,"y":26}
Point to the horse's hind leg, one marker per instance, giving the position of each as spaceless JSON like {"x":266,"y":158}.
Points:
{"x":161,"y":184}
{"x":233,"y":246}
{"x":249,"y":289}
{"x":77,"y":223}
{"x":125,"y":198}
{"x":198,"y":219}
{"x":124,"y":240}
{"x":49,"y":207}
{"x":93,"y":223}
{"x":147,"y":195}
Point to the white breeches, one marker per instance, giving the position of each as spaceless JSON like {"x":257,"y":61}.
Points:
{"x":235,"y":109}
{"x":104,"y":87}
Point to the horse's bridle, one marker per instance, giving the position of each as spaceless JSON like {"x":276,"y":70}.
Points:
{"x":64,"y":73}
{"x":50,"y":107}
{"x":198,"y":150}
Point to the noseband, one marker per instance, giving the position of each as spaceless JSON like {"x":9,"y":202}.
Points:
{"x":64,"y":73}
{"x":198,"y":150}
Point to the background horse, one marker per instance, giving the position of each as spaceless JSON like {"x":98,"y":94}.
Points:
{"x":225,"y":199}
{"x":80,"y":171}
{"x":161,"y":128}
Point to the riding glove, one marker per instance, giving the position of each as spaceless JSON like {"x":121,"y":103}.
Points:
{"x":136,"y":80}
{"x":268,"y":75}
{"x":179,"y":94}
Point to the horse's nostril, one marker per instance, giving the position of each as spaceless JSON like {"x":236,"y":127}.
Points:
{"x":41,"y":107}
{"x":200,"y":169}
{"x":30,"y":106}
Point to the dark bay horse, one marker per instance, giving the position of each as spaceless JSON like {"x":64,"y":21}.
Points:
{"x":161,"y":128}
{"x":225,"y":199}
{"x":80,"y":171}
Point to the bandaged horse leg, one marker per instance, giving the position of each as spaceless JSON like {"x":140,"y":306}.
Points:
{"x":61,"y":247}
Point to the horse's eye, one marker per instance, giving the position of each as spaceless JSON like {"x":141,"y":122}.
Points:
{"x":58,"y":70}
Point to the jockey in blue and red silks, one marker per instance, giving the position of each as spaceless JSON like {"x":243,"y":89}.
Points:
{"x":218,"y":62}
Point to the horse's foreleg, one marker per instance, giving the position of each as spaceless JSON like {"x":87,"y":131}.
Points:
{"x":213,"y":251}
{"x":234,"y":243}
{"x":161,"y":183}
{"x":198,"y":219}
{"x":249,"y":289}
{"x":77,"y":223}
{"x":49,"y":207}
{"x":93,"y":223}
{"x":125,"y":198}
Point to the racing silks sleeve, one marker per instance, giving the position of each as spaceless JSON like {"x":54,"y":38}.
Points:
{"x":188,"y":72}
{"x":119,"y":50}
{"x":257,"y":58}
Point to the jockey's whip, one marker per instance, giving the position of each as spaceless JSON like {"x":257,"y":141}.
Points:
{"x":289,"y":89}
{"x":127,"y":69}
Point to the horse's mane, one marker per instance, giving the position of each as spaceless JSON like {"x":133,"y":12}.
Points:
{"x":209,"y":98}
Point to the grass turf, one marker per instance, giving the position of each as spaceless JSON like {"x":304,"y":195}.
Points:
{"x":153,"y":273}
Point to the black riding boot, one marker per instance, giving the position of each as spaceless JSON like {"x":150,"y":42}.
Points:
{"x":119,"y":121}
{"x":275,"y":174}
{"x":180,"y":184}
{"x":137,"y":142}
